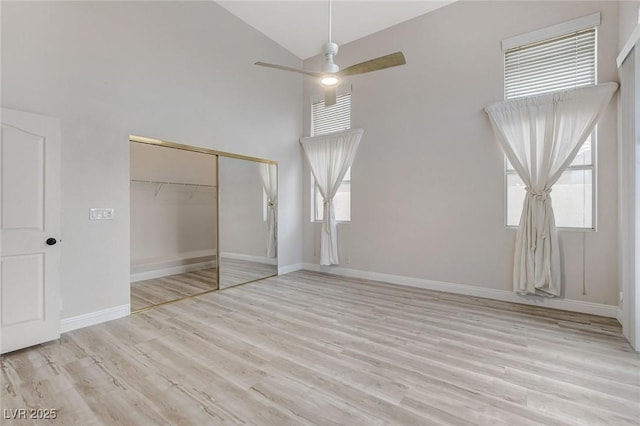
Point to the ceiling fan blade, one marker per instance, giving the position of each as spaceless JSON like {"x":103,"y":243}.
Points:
{"x":281,"y":67}
{"x":329,"y":96}
{"x":387,"y":61}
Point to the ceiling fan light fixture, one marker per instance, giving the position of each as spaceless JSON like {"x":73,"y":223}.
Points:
{"x":329,"y":80}
{"x":330,"y":71}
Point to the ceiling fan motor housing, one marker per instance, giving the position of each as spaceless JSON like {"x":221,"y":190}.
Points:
{"x":330,"y":49}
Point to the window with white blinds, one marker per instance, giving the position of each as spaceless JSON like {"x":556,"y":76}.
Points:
{"x":334,"y":118}
{"x":558,"y":63}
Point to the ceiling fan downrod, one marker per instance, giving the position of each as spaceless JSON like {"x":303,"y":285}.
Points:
{"x":330,"y":50}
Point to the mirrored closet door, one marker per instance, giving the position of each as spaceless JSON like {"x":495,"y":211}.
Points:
{"x":201,"y":220}
{"x":248,"y":201}
{"x":173,"y":224}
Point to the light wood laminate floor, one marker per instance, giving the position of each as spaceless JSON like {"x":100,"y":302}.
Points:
{"x":156,"y":291}
{"x":308,"y":348}
{"x":234,"y":271}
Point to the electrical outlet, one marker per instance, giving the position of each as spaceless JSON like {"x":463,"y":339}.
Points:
{"x":620,"y":299}
{"x":101,"y":213}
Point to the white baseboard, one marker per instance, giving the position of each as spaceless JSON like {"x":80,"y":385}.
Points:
{"x":619,"y":314}
{"x":93,"y":318}
{"x":177,"y":263}
{"x":600,"y":309}
{"x":163,"y":272}
{"x":290,"y":268}
{"x":250,"y":258}
{"x":171,"y":260}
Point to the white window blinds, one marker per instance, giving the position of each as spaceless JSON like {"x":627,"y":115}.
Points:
{"x":335,"y":118}
{"x":555,"y":64}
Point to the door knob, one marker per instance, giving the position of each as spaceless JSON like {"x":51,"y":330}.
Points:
{"x":51,"y":241}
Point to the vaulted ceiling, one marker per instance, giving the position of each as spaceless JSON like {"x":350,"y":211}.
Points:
{"x":301,"y":26}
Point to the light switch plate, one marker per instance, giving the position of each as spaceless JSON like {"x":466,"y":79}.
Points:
{"x":100,"y":214}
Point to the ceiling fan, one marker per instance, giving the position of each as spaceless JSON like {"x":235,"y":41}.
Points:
{"x":331,"y":73}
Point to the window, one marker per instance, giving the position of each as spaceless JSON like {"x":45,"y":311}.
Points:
{"x":557,"y":63}
{"x":331,"y":119}
{"x":341,"y":202}
{"x":326,"y":120}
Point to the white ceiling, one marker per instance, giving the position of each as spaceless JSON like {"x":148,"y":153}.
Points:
{"x":301,"y":26}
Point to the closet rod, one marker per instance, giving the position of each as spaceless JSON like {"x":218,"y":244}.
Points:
{"x":157,"y":182}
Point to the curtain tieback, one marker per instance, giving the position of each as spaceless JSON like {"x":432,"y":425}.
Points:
{"x":538,"y":195}
{"x":271,"y":204}
{"x":326,"y":203}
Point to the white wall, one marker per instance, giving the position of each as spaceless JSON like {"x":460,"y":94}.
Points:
{"x":428,"y":196}
{"x":172,"y":221}
{"x":628,"y":20}
{"x":180,"y":71}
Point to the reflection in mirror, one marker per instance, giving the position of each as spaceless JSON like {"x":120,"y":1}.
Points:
{"x":173,"y":224}
{"x":248,"y":220}
{"x":269,"y":175}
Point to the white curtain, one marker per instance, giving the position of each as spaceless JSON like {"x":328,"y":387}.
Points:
{"x":329,"y":157}
{"x":269,"y":175}
{"x":541,"y":136}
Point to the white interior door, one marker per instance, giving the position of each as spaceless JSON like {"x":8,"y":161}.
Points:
{"x":29,"y":230}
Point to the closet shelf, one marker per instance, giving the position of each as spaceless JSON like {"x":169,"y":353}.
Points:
{"x":159,"y":184}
